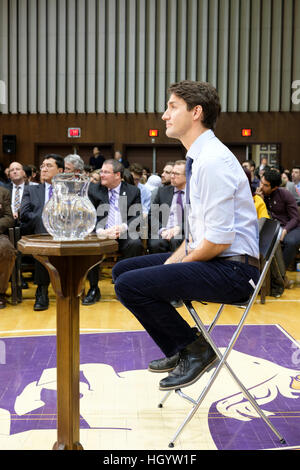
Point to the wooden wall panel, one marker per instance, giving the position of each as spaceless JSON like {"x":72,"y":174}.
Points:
{"x":121,"y":129}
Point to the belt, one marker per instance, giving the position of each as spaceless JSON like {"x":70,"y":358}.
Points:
{"x":246,"y":259}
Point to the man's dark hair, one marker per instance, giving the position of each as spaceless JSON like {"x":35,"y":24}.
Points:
{"x":136,"y":168}
{"x":58,"y":159}
{"x":273,"y":177}
{"x":199,"y":93}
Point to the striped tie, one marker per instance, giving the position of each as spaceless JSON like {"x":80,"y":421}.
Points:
{"x":113,"y":210}
{"x":17,"y":201}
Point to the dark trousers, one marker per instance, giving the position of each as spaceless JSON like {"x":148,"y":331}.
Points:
{"x":146,"y":286}
{"x":161,"y":245}
{"x":127,"y":247}
{"x":290,"y":246}
{"x":41,"y":275}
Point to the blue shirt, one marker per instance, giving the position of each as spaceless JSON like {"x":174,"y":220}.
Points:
{"x":145,"y":197}
{"x":221,"y":205}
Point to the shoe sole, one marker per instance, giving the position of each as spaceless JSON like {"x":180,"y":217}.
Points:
{"x":206,"y":369}
{"x":161,"y":371}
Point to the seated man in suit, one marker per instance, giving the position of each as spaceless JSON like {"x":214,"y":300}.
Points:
{"x":166,"y":220}
{"x":116,"y":218}
{"x":33,"y":201}
{"x":16,"y":186}
{"x":7,"y":250}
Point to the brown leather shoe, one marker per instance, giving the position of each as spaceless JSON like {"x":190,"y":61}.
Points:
{"x":2,"y":301}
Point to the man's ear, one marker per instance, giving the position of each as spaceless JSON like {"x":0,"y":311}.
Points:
{"x":197,"y":112}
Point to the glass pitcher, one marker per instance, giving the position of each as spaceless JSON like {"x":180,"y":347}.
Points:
{"x":69,"y":214}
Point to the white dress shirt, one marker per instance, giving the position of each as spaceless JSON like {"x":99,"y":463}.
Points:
{"x":221,"y":206}
{"x":13,"y":195}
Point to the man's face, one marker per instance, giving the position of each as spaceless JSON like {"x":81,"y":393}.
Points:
{"x":246,"y":165}
{"x":49,"y":169}
{"x":295,"y":175}
{"x":166,"y":174}
{"x":136,"y":178}
{"x":265,"y":186}
{"x":108,"y":177}
{"x":178,"y":118}
{"x":16,"y":173}
{"x":178,"y":176}
{"x":69,"y":167}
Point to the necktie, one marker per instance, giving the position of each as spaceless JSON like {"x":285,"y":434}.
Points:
{"x":50,"y":191}
{"x":17,"y":201}
{"x":179,"y":208}
{"x":188,"y":174}
{"x":113,"y":209}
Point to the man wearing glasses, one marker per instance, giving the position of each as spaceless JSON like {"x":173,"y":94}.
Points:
{"x":33,"y":202}
{"x":118,"y":206}
{"x":166,"y":219}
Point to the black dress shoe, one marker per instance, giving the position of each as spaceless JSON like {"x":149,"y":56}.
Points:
{"x":24,"y":284}
{"x":197,"y":358}
{"x":166,"y":364}
{"x":92,"y":296}
{"x":2,"y":301}
{"x":41,"y":298}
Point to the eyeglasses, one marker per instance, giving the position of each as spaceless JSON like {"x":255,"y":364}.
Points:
{"x":105,"y":172}
{"x":175,"y":173}
{"x":46,"y":165}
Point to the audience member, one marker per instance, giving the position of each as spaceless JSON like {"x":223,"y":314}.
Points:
{"x":95,"y":177}
{"x":146,"y":173}
{"x":116,"y":218}
{"x":97,"y":159}
{"x":286,"y":182}
{"x":296,"y":181}
{"x":34,"y":199}
{"x":282,"y":207}
{"x":137,"y":173}
{"x":166,"y":218}
{"x":250,"y":165}
{"x":16,"y":187}
{"x":279,"y":279}
{"x":153,"y":183}
{"x":73,"y":164}
{"x":7,"y":250}
{"x":119,"y":156}
{"x":166,"y":173}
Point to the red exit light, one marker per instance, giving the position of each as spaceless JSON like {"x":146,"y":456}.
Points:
{"x":153,"y":132}
{"x":74,"y":132}
{"x":246,"y":132}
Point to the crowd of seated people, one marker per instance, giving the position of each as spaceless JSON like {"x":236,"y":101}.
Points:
{"x":132,"y":205}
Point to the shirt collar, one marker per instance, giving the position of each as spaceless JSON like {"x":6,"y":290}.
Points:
{"x":198,"y":144}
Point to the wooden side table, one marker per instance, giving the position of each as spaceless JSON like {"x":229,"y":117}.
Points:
{"x":67,"y":263}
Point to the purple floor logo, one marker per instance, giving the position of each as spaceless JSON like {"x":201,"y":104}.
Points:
{"x":115,"y":384}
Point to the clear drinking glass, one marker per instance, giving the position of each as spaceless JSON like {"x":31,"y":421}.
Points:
{"x":69,"y":214}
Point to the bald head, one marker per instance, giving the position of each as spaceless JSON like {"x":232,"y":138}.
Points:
{"x":16,"y":173}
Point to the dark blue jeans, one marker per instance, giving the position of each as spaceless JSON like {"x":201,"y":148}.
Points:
{"x":145,"y":285}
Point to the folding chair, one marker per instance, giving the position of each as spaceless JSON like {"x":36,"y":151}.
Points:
{"x":269,"y":238}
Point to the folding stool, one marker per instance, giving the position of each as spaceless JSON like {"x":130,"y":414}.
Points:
{"x":269,"y":239}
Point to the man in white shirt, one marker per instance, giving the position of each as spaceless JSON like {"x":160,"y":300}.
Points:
{"x":16,"y":186}
{"x":219,"y":262}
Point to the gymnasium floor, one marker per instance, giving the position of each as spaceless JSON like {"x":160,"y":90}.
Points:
{"x":119,"y":397}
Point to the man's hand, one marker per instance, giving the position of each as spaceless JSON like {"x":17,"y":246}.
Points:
{"x":170,"y":233}
{"x":113,"y":233}
{"x":283,"y":234}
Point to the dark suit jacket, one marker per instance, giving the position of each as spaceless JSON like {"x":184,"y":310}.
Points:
{"x":32,"y":206}
{"x":6,"y":217}
{"x":158,"y":219}
{"x":129,"y":204}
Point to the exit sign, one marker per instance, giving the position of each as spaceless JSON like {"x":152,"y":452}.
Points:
{"x":246,"y":132}
{"x":74,"y":132}
{"x":153,"y":132}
